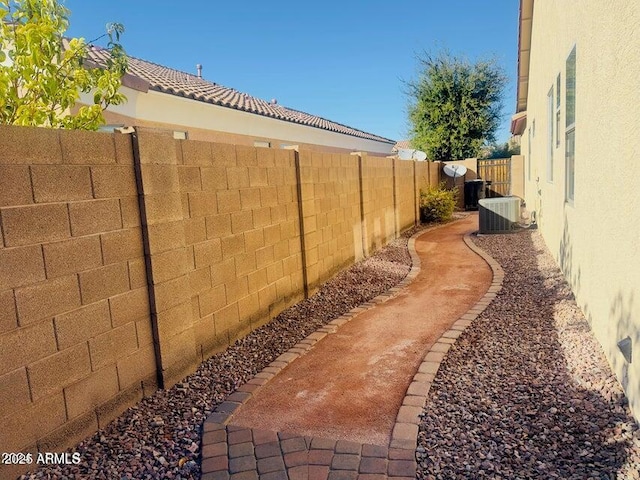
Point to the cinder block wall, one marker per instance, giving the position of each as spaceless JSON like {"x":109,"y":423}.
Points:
{"x":405,"y":194}
{"x":76,"y":346}
{"x":378,"y":202}
{"x":241,"y":207}
{"x":225,"y":246}
{"x":330,"y":191}
{"x":125,"y":259}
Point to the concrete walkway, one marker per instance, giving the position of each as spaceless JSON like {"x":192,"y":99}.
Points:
{"x":344,"y":402}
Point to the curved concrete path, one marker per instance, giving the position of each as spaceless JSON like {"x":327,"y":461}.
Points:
{"x":347,"y":408}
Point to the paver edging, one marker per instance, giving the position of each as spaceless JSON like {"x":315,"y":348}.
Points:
{"x":419,"y":388}
{"x":401,"y":449}
{"x":218,"y":416}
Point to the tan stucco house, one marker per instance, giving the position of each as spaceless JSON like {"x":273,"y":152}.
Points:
{"x":199,"y":109}
{"x":577,"y":112}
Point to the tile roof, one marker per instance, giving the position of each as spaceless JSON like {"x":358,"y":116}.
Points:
{"x":174,"y":82}
{"x":402,"y":144}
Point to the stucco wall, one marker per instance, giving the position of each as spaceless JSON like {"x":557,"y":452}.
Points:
{"x":595,"y":238}
{"x":205,"y":121}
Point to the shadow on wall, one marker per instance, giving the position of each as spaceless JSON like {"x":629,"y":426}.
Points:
{"x":572,"y":273}
{"x":513,"y":384}
{"x":620,"y":314}
{"x":619,"y":324}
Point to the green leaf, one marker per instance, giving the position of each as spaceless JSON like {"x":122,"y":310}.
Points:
{"x":44,"y":82}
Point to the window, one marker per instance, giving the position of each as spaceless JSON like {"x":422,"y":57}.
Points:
{"x":261,"y":143}
{"x":570,"y":123}
{"x":550,"y":115}
{"x":558,"y":111}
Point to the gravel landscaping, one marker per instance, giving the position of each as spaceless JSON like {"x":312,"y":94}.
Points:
{"x":160,"y":437}
{"x":526,"y":391}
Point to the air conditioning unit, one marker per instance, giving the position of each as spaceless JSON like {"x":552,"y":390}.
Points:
{"x":499,"y":215}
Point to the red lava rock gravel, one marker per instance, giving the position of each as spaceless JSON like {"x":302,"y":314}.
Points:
{"x":526,"y":391}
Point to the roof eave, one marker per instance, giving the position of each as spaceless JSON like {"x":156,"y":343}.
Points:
{"x":518,"y":123}
{"x":524,"y":51}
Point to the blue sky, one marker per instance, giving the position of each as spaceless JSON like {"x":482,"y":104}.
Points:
{"x":342,"y":60}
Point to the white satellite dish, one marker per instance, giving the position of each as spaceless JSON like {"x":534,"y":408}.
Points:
{"x":419,"y":155}
{"x":405,"y":153}
{"x":411,"y":154}
{"x":455,"y":170}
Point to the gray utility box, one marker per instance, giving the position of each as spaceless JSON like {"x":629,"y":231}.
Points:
{"x":499,"y":215}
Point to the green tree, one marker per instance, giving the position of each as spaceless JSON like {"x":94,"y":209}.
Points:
{"x":42,"y":73}
{"x":455,"y":105}
{"x":505,"y":150}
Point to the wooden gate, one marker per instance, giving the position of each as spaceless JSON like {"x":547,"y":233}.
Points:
{"x":498,"y":172}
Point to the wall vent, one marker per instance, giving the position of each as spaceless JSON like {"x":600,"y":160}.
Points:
{"x":499,"y":215}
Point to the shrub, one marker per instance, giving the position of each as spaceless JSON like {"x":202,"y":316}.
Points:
{"x":437,"y":203}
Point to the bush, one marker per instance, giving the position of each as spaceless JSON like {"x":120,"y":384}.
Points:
{"x":437,"y":203}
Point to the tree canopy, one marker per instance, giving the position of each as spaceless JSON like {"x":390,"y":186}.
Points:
{"x":455,"y":105}
{"x":42,"y":73}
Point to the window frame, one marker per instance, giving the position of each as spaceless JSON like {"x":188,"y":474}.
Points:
{"x":550,"y":118}
{"x":558,"y":105}
{"x":529,"y":153}
{"x":570,"y":125}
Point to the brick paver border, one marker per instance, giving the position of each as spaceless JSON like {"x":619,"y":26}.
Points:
{"x":405,"y":431}
{"x":231,"y":452}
